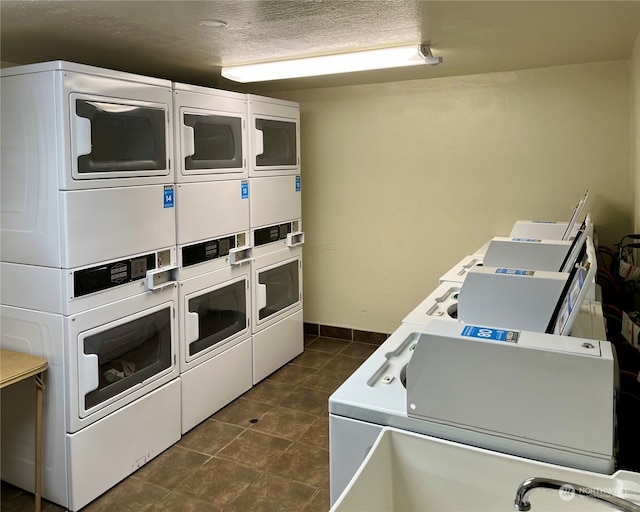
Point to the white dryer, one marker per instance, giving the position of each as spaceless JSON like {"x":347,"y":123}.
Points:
{"x":212,"y":187}
{"x":277,"y":239}
{"x":86,"y":159}
{"x":113,"y":363}
{"x":210,"y":134}
{"x":278,"y":330}
{"x":274,"y":136}
{"x":215,"y":333}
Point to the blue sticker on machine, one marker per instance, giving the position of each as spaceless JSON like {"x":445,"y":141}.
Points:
{"x":244,"y":190}
{"x":298,"y":184}
{"x":526,"y":240}
{"x":486,"y":333}
{"x":514,"y":272}
{"x":168,"y":196}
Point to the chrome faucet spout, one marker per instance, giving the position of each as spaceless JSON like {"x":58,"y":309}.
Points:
{"x":521,"y":501}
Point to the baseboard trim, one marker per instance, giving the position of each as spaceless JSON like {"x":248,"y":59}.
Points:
{"x":344,"y":333}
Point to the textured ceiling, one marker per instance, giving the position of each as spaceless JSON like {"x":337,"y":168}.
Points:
{"x":164,"y":39}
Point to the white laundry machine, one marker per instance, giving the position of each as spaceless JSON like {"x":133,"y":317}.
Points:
{"x":538,"y":254}
{"x":276,"y":233}
{"x":214,"y":249}
{"x":376,"y":395}
{"x":274,"y":136}
{"x":215,"y":330}
{"x":112,"y":353}
{"x":212,"y":192}
{"x":278,"y":330}
{"x":533,"y":300}
{"x":86,"y":159}
{"x":277,"y":239}
{"x":88,"y":272}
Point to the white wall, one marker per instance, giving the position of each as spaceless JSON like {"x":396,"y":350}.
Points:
{"x":401,"y":180}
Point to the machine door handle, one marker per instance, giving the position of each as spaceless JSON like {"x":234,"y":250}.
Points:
{"x":262,"y":296}
{"x":82,"y":130}
{"x":188,"y":143}
{"x":88,"y":374}
{"x":258,"y":143}
{"x":192,"y":327}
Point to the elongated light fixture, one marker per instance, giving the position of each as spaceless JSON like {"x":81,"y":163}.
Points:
{"x":382,"y":58}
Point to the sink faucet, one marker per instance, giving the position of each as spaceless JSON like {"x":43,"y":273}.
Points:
{"x":522,"y":503}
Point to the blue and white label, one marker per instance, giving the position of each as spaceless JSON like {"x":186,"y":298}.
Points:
{"x":168,"y":196}
{"x":244,"y":190}
{"x":298,"y":184}
{"x":514,"y":272}
{"x":487,"y":333}
{"x":525,"y":240}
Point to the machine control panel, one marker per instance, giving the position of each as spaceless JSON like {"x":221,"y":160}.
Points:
{"x":110,"y":275}
{"x":273,"y":233}
{"x":209,"y":250}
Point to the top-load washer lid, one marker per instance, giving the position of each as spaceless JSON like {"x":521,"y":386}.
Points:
{"x":519,"y":385}
{"x":532,"y":300}
{"x":538,"y":253}
{"x":551,"y":230}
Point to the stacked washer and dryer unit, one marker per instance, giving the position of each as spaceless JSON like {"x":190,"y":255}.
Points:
{"x":88,"y":254}
{"x":276,"y":233}
{"x":214,"y":249}
{"x":139,"y":284}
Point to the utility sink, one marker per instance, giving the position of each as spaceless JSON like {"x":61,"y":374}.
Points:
{"x":411,"y":472}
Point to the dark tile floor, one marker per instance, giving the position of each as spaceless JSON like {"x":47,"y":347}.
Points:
{"x":266,"y":451}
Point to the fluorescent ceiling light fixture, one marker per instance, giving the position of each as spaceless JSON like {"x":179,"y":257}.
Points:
{"x":399,"y":56}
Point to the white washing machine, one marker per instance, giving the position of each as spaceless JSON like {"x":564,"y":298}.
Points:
{"x":113,"y":363}
{"x":274,"y":136}
{"x":375,"y":396}
{"x":86,"y":159}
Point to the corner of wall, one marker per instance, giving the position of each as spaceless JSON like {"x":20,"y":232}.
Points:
{"x":635,"y":132}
